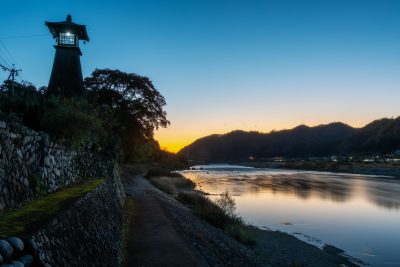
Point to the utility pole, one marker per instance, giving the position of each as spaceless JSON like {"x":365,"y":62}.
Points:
{"x":13,"y":73}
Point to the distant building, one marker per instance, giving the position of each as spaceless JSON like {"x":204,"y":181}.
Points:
{"x":279,"y":159}
{"x":368,"y":160}
{"x":66,"y":76}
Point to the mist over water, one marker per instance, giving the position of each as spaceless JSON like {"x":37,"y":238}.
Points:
{"x":357,"y":213}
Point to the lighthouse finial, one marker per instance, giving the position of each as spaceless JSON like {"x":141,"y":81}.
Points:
{"x":69,"y":18}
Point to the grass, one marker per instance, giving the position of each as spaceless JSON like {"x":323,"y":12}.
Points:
{"x":241,"y":233}
{"x":220,"y":216}
{"x":157,"y":171}
{"x":169,"y":182}
{"x":129,"y":211}
{"x":33,"y":215}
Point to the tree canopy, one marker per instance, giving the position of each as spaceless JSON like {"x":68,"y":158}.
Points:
{"x":118,"y":115}
{"x":136,"y":107}
{"x":131,"y":97}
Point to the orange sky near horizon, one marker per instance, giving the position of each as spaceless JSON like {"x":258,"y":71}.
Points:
{"x":229,"y":65}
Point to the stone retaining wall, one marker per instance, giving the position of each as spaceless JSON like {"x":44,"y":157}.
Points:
{"x":31,"y":164}
{"x":89,"y":233}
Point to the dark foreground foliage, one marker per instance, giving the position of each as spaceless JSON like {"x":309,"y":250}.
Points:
{"x":220,"y":214}
{"x":117,"y":118}
{"x":135,"y":106}
{"x":169,"y":182}
{"x":22,"y":100}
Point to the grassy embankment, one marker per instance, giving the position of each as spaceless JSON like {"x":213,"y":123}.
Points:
{"x":32,"y":215}
{"x":169,"y":182}
{"x":220,"y":213}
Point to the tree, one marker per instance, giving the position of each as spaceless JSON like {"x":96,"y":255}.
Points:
{"x":72,"y":121}
{"x":136,"y":106}
{"x":23,"y":100}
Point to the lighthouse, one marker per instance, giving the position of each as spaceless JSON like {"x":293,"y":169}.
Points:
{"x":66,"y":76}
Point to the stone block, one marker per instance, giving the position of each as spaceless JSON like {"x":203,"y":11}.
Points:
{"x":16,"y":243}
{"x":5,"y":249}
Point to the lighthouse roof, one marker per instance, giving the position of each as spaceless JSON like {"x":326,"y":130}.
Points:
{"x":68,"y":25}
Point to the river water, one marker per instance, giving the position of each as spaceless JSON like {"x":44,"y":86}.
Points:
{"x":357,"y":213}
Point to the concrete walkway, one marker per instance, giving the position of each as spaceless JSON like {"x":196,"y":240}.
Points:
{"x":153,"y":238}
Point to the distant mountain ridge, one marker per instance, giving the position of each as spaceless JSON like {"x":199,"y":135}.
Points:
{"x":379,"y":136}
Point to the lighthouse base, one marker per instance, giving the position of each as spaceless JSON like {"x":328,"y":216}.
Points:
{"x":66,"y":76}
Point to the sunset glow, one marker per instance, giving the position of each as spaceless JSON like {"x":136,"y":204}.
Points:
{"x":226,"y":65}
{"x":177,"y":136}
{"x":225,"y":132}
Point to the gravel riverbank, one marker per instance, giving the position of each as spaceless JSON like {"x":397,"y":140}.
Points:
{"x":218,"y":249}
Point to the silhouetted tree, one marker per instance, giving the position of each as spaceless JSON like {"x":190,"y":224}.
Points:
{"x":136,"y":106}
{"x":23,"y":100}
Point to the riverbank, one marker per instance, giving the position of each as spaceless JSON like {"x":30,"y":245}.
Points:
{"x":352,"y":168}
{"x":164,"y":232}
{"x":271,"y":248}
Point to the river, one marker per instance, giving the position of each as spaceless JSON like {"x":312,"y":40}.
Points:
{"x":357,"y":213}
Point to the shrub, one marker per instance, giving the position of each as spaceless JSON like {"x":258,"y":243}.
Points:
{"x":227,"y":204}
{"x":71,"y":119}
{"x":189,"y":198}
{"x":157,"y":171}
{"x":25,"y":101}
{"x":221,"y":215}
{"x":176,"y":174}
{"x":241,"y":233}
{"x":208,"y":210}
{"x":142,"y":151}
{"x":172,"y":184}
{"x":163,"y":185}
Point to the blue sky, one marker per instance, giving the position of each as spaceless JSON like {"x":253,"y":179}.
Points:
{"x":225,"y":65}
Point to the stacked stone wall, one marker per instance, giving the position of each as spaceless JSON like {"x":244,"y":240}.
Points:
{"x":89,"y":233}
{"x":32,"y":165}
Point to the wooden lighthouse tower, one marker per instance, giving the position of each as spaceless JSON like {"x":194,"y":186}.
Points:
{"x":66,"y":77}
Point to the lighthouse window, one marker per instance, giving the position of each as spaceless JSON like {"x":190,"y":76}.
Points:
{"x":66,"y":38}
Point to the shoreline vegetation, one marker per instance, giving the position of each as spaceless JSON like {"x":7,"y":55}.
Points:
{"x":351,"y":168}
{"x":220,"y":213}
{"x":376,"y":142}
{"x":271,"y":247}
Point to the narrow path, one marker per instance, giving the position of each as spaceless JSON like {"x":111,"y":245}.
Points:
{"x":153,"y":238}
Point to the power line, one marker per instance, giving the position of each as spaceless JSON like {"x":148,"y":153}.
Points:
{"x":24,"y":36}
{"x":4,"y":57}
{"x":8,"y":59}
{"x":10,"y":56}
{"x":11,"y":77}
{"x":4,"y":60}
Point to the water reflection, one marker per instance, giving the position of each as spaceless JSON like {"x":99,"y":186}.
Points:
{"x":385,"y":194}
{"x":305,"y":186}
{"x":382,"y":191}
{"x":358,"y":213}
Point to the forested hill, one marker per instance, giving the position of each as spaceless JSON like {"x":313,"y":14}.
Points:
{"x":380,"y":136}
